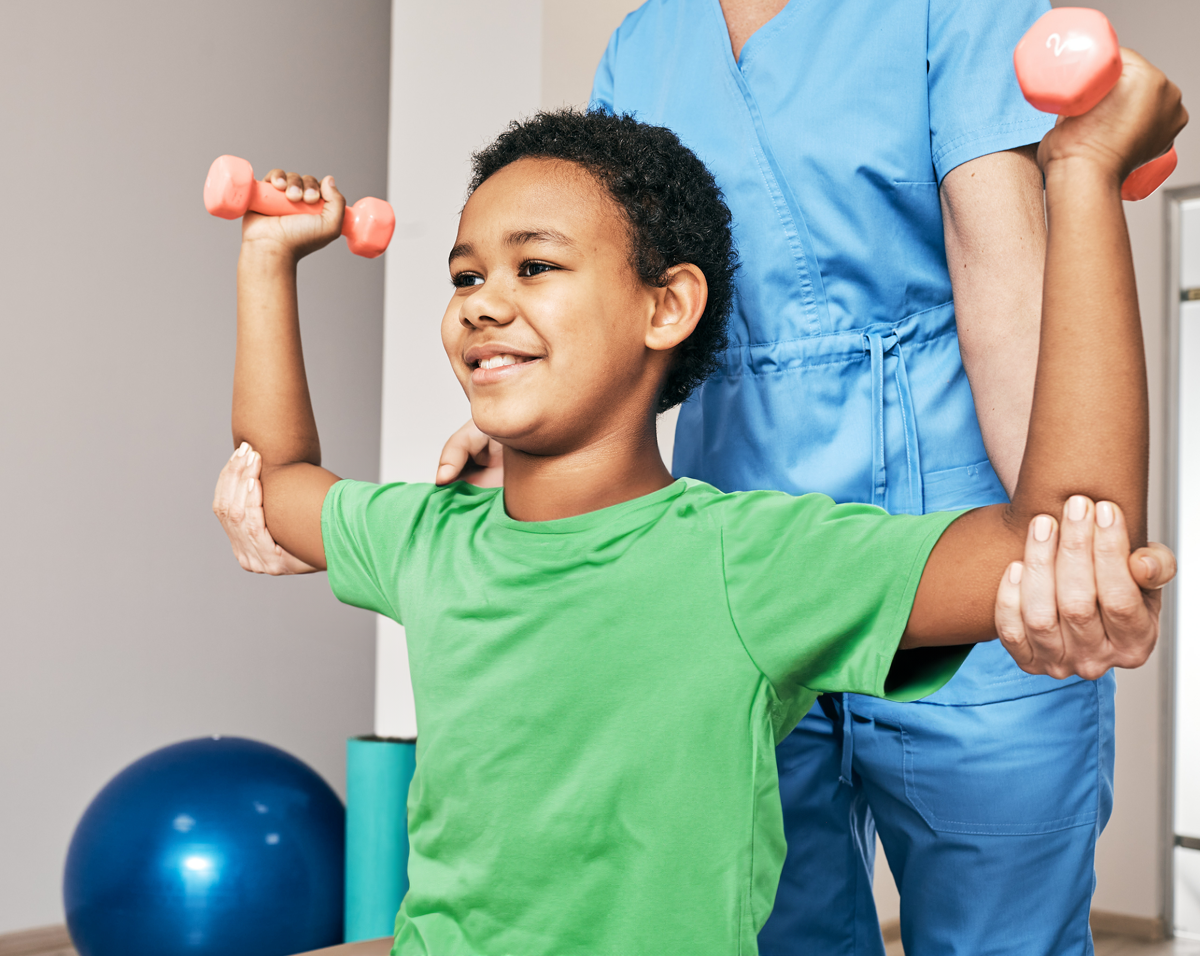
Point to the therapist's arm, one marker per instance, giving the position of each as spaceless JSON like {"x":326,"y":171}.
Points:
{"x":995,"y":228}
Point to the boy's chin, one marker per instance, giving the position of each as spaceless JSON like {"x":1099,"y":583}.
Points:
{"x":518,"y":429}
{"x":506,"y":425}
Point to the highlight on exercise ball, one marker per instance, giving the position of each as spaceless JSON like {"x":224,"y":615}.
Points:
{"x":219,"y":846}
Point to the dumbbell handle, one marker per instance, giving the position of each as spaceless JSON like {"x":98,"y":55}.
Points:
{"x":230,"y":191}
{"x":1066,"y":63}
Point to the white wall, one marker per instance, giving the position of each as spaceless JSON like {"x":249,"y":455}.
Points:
{"x":449,"y":99}
{"x":125,"y":624}
{"x":1187,"y":658}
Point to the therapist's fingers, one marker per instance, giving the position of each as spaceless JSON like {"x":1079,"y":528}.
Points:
{"x":460,"y":448}
{"x":1130,"y":614}
{"x":1009,"y":625}
{"x":1152,"y":566}
{"x":1085,"y":643}
{"x":1039,"y":600}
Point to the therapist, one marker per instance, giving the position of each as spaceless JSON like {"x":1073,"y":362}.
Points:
{"x":879,"y":161}
{"x":877,"y":157}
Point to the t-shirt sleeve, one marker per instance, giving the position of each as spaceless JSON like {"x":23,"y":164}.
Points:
{"x":365,"y":529}
{"x":820,"y":594}
{"x":975,"y":104}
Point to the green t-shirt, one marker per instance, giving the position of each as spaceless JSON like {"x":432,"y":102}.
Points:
{"x":599,"y":699}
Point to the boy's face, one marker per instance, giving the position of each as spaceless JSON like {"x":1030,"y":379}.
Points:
{"x":547,"y":327}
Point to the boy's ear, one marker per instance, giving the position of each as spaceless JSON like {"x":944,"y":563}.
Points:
{"x":679,"y":305}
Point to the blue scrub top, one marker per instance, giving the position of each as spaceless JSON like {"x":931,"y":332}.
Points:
{"x":830,"y":138}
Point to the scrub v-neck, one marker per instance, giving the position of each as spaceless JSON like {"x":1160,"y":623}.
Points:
{"x":765,"y":25}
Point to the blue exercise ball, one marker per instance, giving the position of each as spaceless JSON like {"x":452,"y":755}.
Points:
{"x":220,"y":846}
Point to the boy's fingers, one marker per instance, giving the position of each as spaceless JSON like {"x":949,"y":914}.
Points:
{"x":312,"y":188}
{"x":1009,"y":626}
{"x":277,"y":178}
{"x":1129,"y":620}
{"x":1153,"y":566}
{"x":1039,"y":604}
{"x":335,"y":202}
{"x":1075,"y":583}
{"x":295,"y":187}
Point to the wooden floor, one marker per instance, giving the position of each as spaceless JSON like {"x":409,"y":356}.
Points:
{"x":1106,"y":945}
{"x":1118,"y":946}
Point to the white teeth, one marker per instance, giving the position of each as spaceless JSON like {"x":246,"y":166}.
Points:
{"x":499,"y":361}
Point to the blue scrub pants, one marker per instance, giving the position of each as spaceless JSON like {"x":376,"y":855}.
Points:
{"x":988,"y":814}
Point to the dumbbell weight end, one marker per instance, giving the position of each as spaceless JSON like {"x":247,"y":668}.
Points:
{"x":1148,"y":177}
{"x":1066,"y":63}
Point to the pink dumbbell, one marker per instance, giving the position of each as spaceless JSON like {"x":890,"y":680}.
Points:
{"x":230,"y":191}
{"x":1066,"y":64}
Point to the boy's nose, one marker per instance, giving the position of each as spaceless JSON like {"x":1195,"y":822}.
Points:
{"x":487,"y":307}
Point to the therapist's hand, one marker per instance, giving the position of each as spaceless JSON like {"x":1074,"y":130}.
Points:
{"x":1080,"y":603}
{"x":470,"y":456}
{"x":238,"y":505}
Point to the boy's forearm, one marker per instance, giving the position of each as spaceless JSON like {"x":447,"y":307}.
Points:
{"x":271,"y":405}
{"x":1088,"y":431}
{"x":1089,"y":423}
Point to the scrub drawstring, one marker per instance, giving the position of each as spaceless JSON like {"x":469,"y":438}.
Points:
{"x":847,"y":774}
{"x":879,"y":346}
{"x":834,"y":707}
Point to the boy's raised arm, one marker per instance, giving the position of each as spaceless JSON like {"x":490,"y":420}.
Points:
{"x":271,"y":406}
{"x":1089,"y":431}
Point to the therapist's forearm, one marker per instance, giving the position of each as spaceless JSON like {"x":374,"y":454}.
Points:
{"x":995,"y":228}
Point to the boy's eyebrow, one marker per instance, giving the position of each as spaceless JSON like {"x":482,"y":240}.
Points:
{"x":538,"y":235}
{"x":518,"y":238}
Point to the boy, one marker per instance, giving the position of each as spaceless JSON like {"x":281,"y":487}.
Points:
{"x":603,"y":659}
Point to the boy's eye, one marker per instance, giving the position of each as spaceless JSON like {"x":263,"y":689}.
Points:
{"x":465,"y":280}
{"x":530,"y":269}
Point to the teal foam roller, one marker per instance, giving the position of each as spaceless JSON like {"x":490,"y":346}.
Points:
{"x":378,"y":773}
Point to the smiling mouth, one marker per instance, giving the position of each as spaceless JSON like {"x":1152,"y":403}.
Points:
{"x":499,"y":361}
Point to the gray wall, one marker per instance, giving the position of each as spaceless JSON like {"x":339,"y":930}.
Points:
{"x":124,"y":622}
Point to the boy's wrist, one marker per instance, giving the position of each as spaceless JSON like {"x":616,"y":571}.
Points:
{"x":1075,"y":172}
{"x":266,"y":255}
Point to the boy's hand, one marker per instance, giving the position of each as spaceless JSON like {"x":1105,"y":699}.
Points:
{"x":238,"y":505}
{"x":301,"y":234}
{"x":1080,"y":603}
{"x":473,"y":457}
{"x":1136,"y":122}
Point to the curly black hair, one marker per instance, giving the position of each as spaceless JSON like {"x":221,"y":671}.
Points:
{"x":674,"y":208}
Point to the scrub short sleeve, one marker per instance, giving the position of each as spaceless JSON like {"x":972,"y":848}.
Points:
{"x":365,"y":529}
{"x":820,"y":594}
{"x":603,"y":95}
{"x":975,"y":104}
